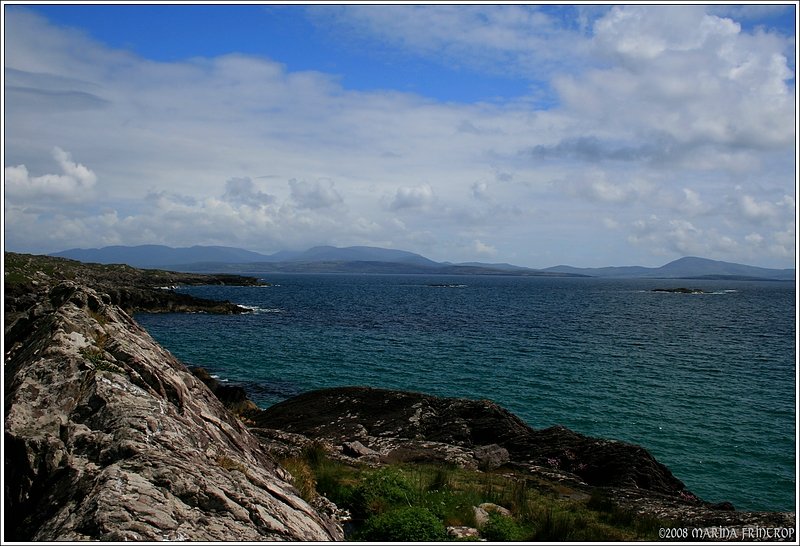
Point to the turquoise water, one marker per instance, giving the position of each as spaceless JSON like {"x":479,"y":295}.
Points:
{"x":706,"y":382}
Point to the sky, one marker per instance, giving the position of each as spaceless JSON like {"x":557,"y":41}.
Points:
{"x":537,"y":135}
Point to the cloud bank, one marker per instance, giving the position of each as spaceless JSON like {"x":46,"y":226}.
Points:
{"x":671,"y":133}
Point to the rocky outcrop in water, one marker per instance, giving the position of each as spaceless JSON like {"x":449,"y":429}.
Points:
{"x":681,"y":290}
{"x":109,"y":437}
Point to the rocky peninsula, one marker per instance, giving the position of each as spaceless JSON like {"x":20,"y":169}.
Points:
{"x":109,"y":437}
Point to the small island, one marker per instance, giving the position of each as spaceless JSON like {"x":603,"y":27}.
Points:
{"x":679,"y":290}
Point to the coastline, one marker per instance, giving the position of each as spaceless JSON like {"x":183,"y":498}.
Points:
{"x":107,"y":363}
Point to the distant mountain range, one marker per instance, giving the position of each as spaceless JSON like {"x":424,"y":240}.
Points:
{"x":683,"y":268}
{"x":366,"y":259}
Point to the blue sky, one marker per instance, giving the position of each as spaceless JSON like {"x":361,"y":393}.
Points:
{"x":537,"y":135}
{"x":302,"y":38}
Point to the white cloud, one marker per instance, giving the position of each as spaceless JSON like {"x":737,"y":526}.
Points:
{"x":314,"y":195}
{"x":691,"y":204}
{"x":783,"y":242}
{"x":412,"y":197}
{"x":482,"y":248}
{"x":676,"y":236}
{"x":754,"y":239}
{"x":594,"y":185}
{"x":610,"y":223}
{"x":755,"y":210}
{"x":765,"y":211}
{"x":646,"y":90}
{"x":71,"y":185}
{"x":243,"y":191}
{"x":637,"y":34}
{"x":500,"y":39}
{"x":480,"y":190}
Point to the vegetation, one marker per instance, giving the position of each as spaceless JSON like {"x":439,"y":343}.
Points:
{"x":403,"y":524}
{"x":502,"y":528}
{"x":405,"y":502}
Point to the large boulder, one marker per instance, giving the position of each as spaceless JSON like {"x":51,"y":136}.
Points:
{"x":109,"y":437}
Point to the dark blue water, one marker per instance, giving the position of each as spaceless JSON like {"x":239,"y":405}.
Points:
{"x":705,"y":382}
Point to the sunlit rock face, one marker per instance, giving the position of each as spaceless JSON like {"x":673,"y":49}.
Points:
{"x":108,"y":436}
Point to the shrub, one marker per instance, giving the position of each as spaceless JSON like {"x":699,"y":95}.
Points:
{"x":501,"y":528}
{"x":404,"y":524}
{"x":380,"y":490}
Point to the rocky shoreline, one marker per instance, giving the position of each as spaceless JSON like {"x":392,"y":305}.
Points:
{"x":378,"y":426}
{"x":109,"y":437}
{"x":28,"y":277}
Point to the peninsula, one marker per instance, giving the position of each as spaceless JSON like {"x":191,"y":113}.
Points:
{"x":109,"y":437}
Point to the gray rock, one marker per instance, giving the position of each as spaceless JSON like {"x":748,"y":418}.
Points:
{"x":108,"y":436}
{"x":483,"y":510}
{"x":356,"y":449}
{"x":461,"y":532}
{"x":491,"y":457}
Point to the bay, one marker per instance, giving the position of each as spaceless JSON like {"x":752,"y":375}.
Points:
{"x":705,"y":382}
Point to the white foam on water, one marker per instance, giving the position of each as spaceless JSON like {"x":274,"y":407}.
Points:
{"x":257,"y":309}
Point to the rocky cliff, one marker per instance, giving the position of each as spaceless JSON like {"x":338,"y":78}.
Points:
{"x":108,"y":436}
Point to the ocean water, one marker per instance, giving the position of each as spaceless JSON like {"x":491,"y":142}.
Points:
{"x":705,"y":382}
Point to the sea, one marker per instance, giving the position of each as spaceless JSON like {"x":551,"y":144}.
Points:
{"x":706,"y":382}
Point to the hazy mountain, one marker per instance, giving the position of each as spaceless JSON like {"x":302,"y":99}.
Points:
{"x":367,"y":259}
{"x":502,"y":266}
{"x":153,"y":256}
{"x":611,"y":271}
{"x":162,"y":256}
{"x":320,"y":259}
{"x":683,"y":268}
{"x":358,"y":254}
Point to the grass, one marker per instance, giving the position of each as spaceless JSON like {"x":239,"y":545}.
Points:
{"x":384,"y":502}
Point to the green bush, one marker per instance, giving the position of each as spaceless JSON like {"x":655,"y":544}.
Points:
{"x":501,"y":528}
{"x":379,"y":491}
{"x":405,"y":524}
